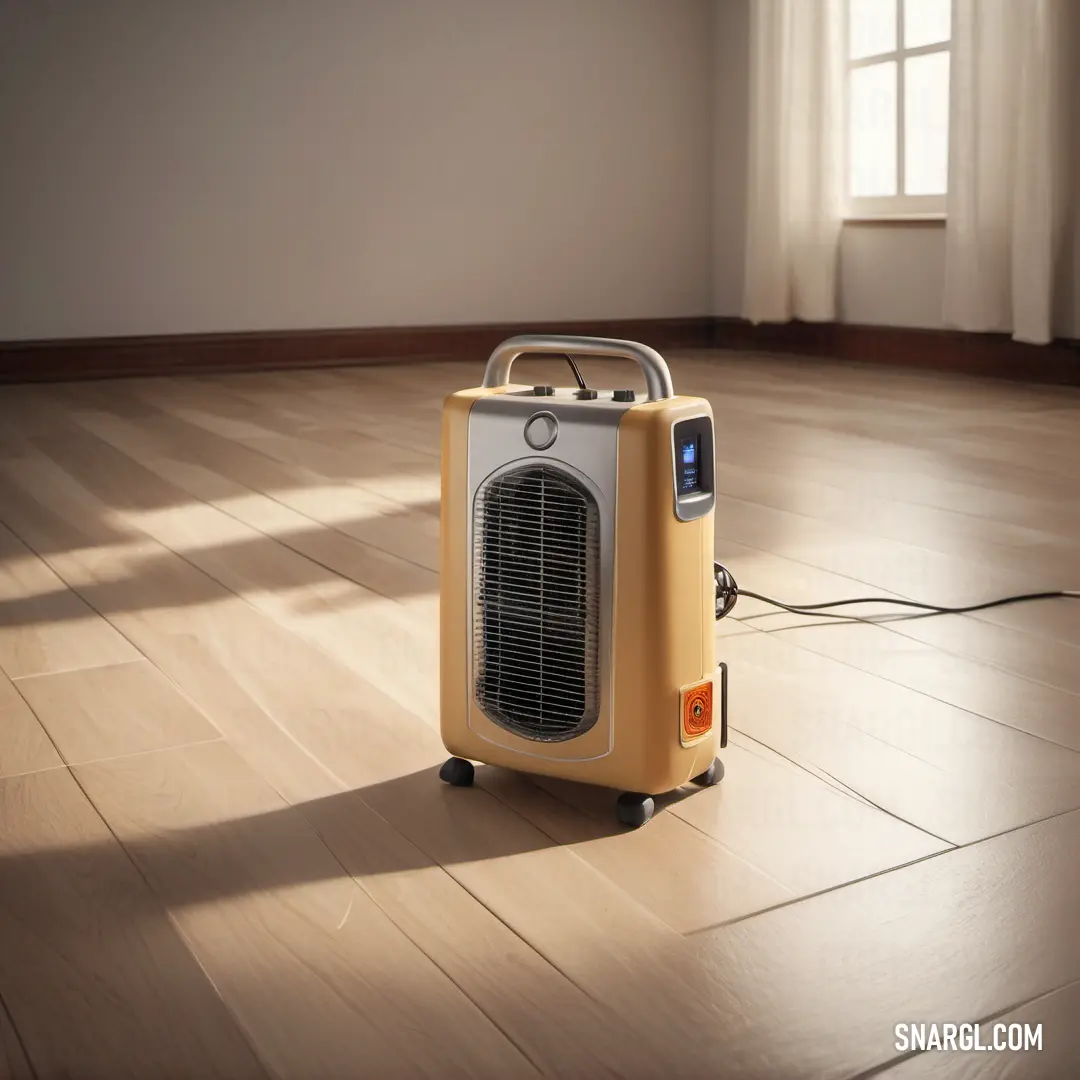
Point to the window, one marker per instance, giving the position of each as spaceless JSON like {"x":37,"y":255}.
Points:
{"x":898,"y":106}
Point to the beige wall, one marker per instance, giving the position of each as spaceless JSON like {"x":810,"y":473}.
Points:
{"x":261,"y":164}
{"x":212,"y":165}
{"x":892,"y":275}
{"x":889,"y":275}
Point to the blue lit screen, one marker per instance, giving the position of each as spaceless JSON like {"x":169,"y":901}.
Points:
{"x":689,"y":476}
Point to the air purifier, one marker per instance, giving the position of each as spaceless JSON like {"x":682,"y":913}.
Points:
{"x":577,"y":597}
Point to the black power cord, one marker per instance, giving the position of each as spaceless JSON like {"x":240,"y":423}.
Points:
{"x":728,"y":593}
{"x":577,"y":371}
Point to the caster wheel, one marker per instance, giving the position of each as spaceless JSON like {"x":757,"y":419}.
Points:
{"x":634,"y":810}
{"x":457,"y":772}
{"x":712,"y":775}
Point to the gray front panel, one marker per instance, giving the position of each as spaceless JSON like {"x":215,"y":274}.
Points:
{"x":585,"y":447}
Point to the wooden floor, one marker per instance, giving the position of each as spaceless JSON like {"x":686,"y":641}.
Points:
{"x":224,"y":850}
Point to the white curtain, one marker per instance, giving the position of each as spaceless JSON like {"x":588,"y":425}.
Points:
{"x":1007,"y":160}
{"x":795,"y":160}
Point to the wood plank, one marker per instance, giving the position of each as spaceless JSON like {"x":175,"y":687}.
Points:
{"x":1038,"y":659}
{"x":562,"y":1029}
{"x":313,"y":969}
{"x":902,"y":568}
{"x":360,"y":406}
{"x":331,"y":436}
{"x":1036,"y":446}
{"x":405,"y":476}
{"x":24,"y":745}
{"x":95,"y":976}
{"x":169,"y":596}
{"x":13,"y":1063}
{"x":803,"y":832}
{"x":1058,"y":1057}
{"x":796,"y":828}
{"x":345,"y":508}
{"x":1040,"y":710}
{"x":578,"y":920}
{"x":44,"y":626}
{"x":1055,"y":620}
{"x":858,"y":463}
{"x":555,"y":1023}
{"x":834,"y":441}
{"x":284,"y":686}
{"x":384,"y":574}
{"x":413,"y":533}
{"x":822,"y":983}
{"x":399,"y":657}
{"x":398,"y":472}
{"x":790,"y":582}
{"x":108,"y":711}
{"x":1031,"y":649}
{"x":772,"y":757}
{"x":751,"y":479}
{"x":946,"y":771}
{"x":680,"y":874}
{"x":251,"y":711}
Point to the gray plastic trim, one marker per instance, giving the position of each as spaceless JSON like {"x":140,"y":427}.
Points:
{"x":588,"y":450}
{"x":652,"y":364}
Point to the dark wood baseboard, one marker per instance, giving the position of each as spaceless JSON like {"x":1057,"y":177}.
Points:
{"x":993,"y":355}
{"x":101,"y":358}
{"x":985,"y":355}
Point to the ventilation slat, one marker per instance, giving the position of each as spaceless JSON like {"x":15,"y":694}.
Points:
{"x":524,"y":667}
{"x":536,"y":584}
{"x":566,"y":650}
{"x":500,"y":610}
{"x":559,"y":573}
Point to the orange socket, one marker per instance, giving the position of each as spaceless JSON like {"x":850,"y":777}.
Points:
{"x":697,"y":709}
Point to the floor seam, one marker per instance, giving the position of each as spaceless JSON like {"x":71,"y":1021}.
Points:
{"x":171,"y":919}
{"x":915,"y":690}
{"x":892,"y":1063}
{"x":951,"y":850}
{"x":5,"y":1011}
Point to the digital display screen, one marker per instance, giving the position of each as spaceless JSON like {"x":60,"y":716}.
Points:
{"x":689,"y":465}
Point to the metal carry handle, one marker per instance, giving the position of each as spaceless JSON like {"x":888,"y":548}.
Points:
{"x":652,"y":364}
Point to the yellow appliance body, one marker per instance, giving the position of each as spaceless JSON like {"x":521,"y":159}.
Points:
{"x":577,"y":613}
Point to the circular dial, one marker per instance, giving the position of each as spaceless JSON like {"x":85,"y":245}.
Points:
{"x":541,"y":430}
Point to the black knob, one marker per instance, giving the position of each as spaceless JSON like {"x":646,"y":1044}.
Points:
{"x":586,"y":395}
{"x":543,"y":391}
{"x":623,"y":395}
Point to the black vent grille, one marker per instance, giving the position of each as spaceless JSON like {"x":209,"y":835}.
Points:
{"x":536,"y":583}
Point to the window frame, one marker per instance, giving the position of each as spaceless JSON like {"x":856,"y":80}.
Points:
{"x":899,"y":206}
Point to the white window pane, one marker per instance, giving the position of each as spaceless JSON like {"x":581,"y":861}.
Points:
{"x":873,"y":130}
{"x":926,"y":22}
{"x":871,"y":27}
{"x":926,"y":124}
